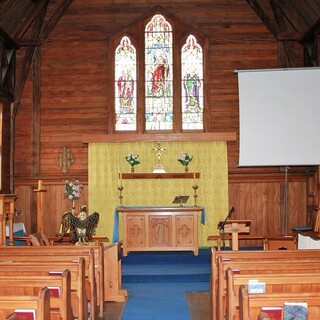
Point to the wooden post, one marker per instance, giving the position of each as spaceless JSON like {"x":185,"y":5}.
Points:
{"x":6,"y":210}
{"x":40,"y":206}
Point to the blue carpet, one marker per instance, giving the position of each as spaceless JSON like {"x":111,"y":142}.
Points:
{"x":157,"y":283}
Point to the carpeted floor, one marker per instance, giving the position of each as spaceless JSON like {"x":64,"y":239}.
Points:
{"x":198,"y":305}
{"x":164,"y":285}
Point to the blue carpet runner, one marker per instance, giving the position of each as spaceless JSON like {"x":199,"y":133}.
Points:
{"x":157,"y":283}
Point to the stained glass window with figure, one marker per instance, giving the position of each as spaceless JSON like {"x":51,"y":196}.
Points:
{"x":125,"y":86}
{"x":169,"y":63}
{"x":192,"y":85}
{"x":158,"y":74}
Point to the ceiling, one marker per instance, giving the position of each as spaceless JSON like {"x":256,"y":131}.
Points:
{"x":29,"y":22}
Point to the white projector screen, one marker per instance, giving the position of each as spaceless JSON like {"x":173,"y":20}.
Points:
{"x":279,"y":117}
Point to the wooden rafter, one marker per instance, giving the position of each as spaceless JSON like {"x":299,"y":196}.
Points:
{"x":38,"y":10}
{"x":286,"y":46}
{"x":65,"y":4}
{"x":268,"y":22}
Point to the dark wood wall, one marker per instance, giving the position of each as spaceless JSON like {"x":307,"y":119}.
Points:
{"x":74,"y":87}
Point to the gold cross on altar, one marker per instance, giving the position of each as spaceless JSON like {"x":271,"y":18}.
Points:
{"x":159,"y":150}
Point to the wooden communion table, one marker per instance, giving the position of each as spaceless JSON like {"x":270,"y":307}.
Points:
{"x":160,"y":228}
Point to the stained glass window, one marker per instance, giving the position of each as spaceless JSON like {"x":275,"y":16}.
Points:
{"x":169,"y":97}
{"x":158,"y":74}
{"x":125,"y":86}
{"x":192,"y":85}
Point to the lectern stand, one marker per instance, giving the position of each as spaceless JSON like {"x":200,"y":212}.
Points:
{"x":235,"y":227}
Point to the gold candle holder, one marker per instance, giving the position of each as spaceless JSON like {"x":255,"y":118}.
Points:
{"x":195,"y":196}
{"x":120,"y":188}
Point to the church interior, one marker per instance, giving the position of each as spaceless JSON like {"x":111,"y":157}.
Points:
{"x":127,"y":125}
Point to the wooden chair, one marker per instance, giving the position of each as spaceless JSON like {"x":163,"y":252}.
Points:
{"x":39,"y":239}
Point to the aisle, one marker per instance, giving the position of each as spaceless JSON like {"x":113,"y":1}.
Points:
{"x":157,"y":283}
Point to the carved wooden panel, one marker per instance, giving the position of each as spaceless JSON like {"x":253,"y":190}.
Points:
{"x":185,"y":230}
{"x":160,"y":231}
{"x":136,"y":231}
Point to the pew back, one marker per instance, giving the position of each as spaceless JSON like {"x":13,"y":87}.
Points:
{"x":19,"y":285}
{"x":51,"y":255}
{"x":96,"y":266}
{"x":253,"y":258}
{"x":40,"y":303}
{"x":275,"y":284}
{"x":79,"y":299}
{"x":250,"y":305}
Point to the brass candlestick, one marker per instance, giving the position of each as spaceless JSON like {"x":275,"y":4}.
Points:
{"x":195,"y":196}
{"x":120,"y":188}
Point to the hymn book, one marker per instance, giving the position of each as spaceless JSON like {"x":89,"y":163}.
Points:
{"x":25,"y":314}
{"x":274,"y":313}
{"x":295,"y":311}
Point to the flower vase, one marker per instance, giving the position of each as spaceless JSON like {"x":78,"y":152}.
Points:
{"x":132,"y":169}
{"x":186,"y":169}
{"x":73,"y":208}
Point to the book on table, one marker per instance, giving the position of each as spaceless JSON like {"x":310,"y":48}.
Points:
{"x":273,"y":313}
{"x":295,"y":311}
{"x":25,"y":314}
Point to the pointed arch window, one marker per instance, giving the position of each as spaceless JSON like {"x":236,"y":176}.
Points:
{"x":169,"y":95}
{"x":158,"y":74}
{"x":125,"y":86}
{"x":192,"y":85}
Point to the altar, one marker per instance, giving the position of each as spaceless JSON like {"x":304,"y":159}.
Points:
{"x":160,"y":228}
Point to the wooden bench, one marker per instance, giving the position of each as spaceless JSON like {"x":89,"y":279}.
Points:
{"x":29,"y":285}
{"x":108,"y":267}
{"x":275,"y":283}
{"x":250,"y":304}
{"x":261,"y":267}
{"x":113,"y":290}
{"x":253,"y":257}
{"x":54,"y":254}
{"x":40,"y":303}
{"x":79,"y":299}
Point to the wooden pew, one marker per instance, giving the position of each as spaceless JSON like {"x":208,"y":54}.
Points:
{"x":79,"y":299}
{"x":266,"y":266}
{"x":113,"y":274}
{"x":250,"y":304}
{"x":252,"y":257}
{"x":67,"y":254}
{"x":107,"y":267}
{"x":40,"y":303}
{"x":275,"y":283}
{"x":29,"y":285}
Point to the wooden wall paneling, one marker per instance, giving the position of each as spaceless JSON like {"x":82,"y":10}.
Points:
{"x":23,"y":127}
{"x":5,"y":147}
{"x":26,"y":203}
{"x":75,"y":92}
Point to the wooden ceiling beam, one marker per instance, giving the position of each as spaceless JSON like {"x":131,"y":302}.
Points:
{"x":296,"y":20}
{"x":62,"y":8}
{"x":38,"y":10}
{"x":268,"y":22}
{"x":10,"y":43}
